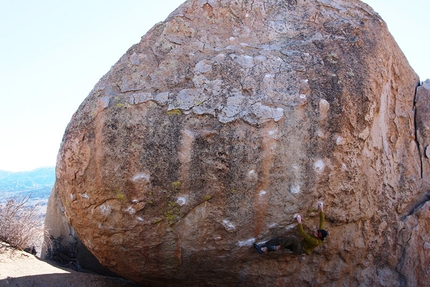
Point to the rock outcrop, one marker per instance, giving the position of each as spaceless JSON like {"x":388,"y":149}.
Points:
{"x":230,"y":117}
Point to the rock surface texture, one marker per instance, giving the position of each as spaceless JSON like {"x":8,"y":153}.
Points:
{"x":230,"y":117}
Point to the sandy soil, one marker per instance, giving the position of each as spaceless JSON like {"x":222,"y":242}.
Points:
{"x":21,"y":269}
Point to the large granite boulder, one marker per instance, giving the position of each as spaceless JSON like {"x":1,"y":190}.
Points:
{"x":230,"y":117}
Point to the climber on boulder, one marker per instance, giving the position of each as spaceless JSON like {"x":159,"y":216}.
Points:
{"x":307,"y":245}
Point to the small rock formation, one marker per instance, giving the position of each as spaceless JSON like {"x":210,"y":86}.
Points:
{"x":230,"y":117}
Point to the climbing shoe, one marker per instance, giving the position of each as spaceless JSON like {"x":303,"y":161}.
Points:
{"x":258,"y":248}
{"x":271,"y":247}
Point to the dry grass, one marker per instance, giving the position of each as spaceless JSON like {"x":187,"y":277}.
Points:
{"x":20,"y":225}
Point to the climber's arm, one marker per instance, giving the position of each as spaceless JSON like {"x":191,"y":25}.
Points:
{"x":303,"y":234}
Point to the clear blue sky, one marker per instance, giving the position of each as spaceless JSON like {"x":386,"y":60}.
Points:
{"x":52,"y":53}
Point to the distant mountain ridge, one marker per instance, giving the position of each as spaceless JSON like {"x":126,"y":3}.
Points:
{"x":37,"y":184}
{"x":39,"y":178}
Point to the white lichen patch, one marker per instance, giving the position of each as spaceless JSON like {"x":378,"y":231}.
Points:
{"x":162,"y":98}
{"x":219,"y":58}
{"x":138,"y":98}
{"x":247,"y":242}
{"x":324,"y":107}
{"x":262,"y":95}
{"x":203,"y":66}
{"x":187,"y":99}
{"x":103,"y":103}
{"x":340,"y":140}
{"x":130,"y":210}
{"x":265,"y":113}
{"x":273,"y":225}
{"x":272,"y":133}
{"x":191,"y":100}
{"x":319,"y":166}
{"x":217,"y":237}
{"x":260,"y":59}
{"x":141,"y":176}
{"x":295,"y":188}
{"x":289,"y":227}
{"x":244,"y":60}
{"x":181,"y":201}
{"x":252,"y":176}
{"x":268,"y":80}
{"x":321,"y":134}
{"x":236,"y":106}
{"x":105,"y":209}
{"x":228,"y":226}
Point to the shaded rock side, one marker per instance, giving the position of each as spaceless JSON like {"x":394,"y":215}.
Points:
{"x":18,"y":268}
{"x":63,"y":245}
{"x":422,"y":118}
{"x":230,"y":117}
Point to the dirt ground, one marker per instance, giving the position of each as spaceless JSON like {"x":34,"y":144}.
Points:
{"x":21,"y":269}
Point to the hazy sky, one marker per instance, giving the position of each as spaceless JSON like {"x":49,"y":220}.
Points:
{"x":53,"y":52}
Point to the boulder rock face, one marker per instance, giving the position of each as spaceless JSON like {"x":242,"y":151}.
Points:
{"x":230,"y":117}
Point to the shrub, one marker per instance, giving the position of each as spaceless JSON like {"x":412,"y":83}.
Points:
{"x":20,"y":226}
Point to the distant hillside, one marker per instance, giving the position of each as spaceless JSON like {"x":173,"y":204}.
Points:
{"x":36,"y":183}
{"x":16,"y":181}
